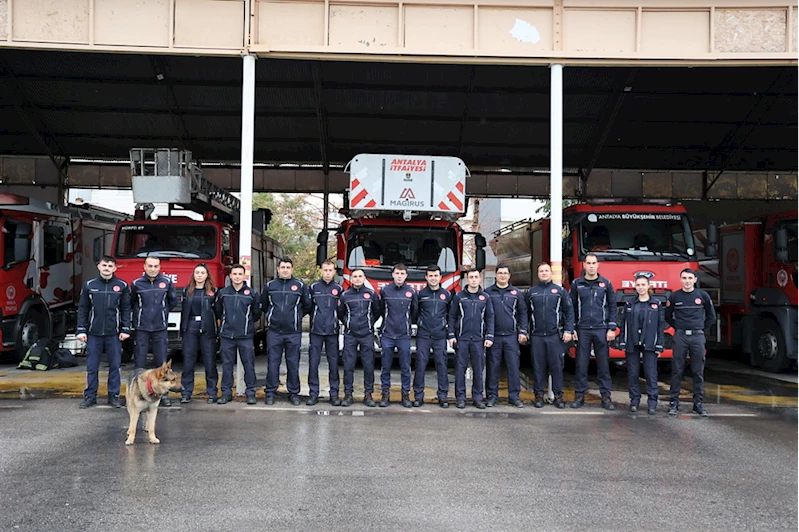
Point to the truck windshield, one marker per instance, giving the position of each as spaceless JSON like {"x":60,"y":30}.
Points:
{"x":189,"y":241}
{"x":637,"y":235}
{"x":416,"y":247}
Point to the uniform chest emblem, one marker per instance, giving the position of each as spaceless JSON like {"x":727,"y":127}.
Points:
{"x":443,"y":297}
{"x":116,"y":289}
{"x":162,"y":285}
{"x":334,"y":292}
{"x":513,"y":292}
{"x":654,"y":306}
{"x":554,"y":290}
{"x":698,"y":301}
{"x":408,"y":294}
{"x":601,"y":285}
{"x":482,"y":298}
{"x":366,"y":296}
{"x":294,"y":288}
{"x":246,"y":292}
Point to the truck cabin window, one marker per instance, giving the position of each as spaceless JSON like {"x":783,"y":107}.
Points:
{"x":636,"y":236}
{"x":185,"y":241}
{"x":793,"y":250}
{"x":416,"y":247}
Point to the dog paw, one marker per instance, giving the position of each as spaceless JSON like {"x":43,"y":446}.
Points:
{"x":129,"y":441}
{"x":154,"y":440}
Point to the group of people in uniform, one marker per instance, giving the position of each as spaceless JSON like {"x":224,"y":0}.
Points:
{"x":485,"y":327}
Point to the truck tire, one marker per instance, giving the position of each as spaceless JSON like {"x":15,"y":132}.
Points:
{"x":31,"y":328}
{"x":768,"y":347}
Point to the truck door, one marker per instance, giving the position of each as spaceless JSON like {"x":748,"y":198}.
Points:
{"x":55,"y":275}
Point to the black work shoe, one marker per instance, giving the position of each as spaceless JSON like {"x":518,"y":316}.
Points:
{"x":251,"y":400}
{"x":652,"y":411}
{"x":186,"y":399}
{"x":479,"y":405}
{"x":633,"y":407}
{"x":87,"y":402}
{"x":491,"y":401}
{"x":674,"y":409}
{"x":515,"y":402}
{"x":385,"y":399}
{"x":294,"y":399}
{"x":608,"y":405}
{"x":578,"y":402}
{"x":461,"y":404}
{"x":443,"y":403}
{"x":369,"y":401}
{"x":270,"y":399}
{"x":539,"y":401}
{"x":418,"y":401}
{"x":558,"y":402}
{"x":312,"y":400}
{"x":406,"y":400}
{"x":166,"y":401}
{"x":224,"y":399}
{"x":114,"y":401}
{"x":335,"y":401}
{"x":211,"y":399}
{"x":347,"y":400}
{"x":700,"y":409}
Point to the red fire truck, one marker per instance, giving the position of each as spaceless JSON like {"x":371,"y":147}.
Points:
{"x":757,"y":266}
{"x":629,"y":240}
{"x":48,"y":252}
{"x":170,"y":176}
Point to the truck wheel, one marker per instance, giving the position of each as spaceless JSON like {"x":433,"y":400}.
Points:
{"x":31,"y":328}
{"x":768,"y":350}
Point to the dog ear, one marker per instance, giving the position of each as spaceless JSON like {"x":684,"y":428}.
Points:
{"x":168,"y":364}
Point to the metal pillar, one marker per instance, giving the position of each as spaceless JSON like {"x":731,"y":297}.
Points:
{"x":556,"y":179}
{"x":245,"y":223}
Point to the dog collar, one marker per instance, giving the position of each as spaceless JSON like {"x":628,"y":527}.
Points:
{"x":150,"y":388}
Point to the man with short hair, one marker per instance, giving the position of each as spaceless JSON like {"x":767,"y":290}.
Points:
{"x":103,"y":323}
{"x":324,"y":331}
{"x":284,"y":302}
{"x":238,"y":309}
{"x":471,"y":330}
{"x":399,"y":306}
{"x":690,"y":311}
{"x":510,"y":329}
{"x":594,"y":302}
{"x":431,"y":333}
{"x":153,"y":296}
{"x":358,"y":310}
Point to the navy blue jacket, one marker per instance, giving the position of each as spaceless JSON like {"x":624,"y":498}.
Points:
{"x":324,"y":303}
{"x":471,"y":316}
{"x":104,"y":307}
{"x":358,"y":310}
{"x":284,"y":302}
{"x":690,"y":310}
{"x":399,"y":306}
{"x":550,"y":308}
{"x":510,"y":310}
{"x":152,"y":299}
{"x":652,"y":324}
{"x":594,"y":303}
{"x":433,"y":313}
{"x":238,"y":311}
{"x":207,"y":314}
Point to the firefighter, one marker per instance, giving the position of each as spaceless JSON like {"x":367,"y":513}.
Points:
{"x":431,"y":333}
{"x":152,"y":297}
{"x":551,"y":311}
{"x":324,"y":331}
{"x":399,"y":306}
{"x":510,"y":329}
{"x":103,"y":323}
{"x":284,"y":302}
{"x":641,"y":338}
{"x":198,"y":332}
{"x":594,"y":304}
{"x":238,"y":309}
{"x":358,"y":310}
{"x":690,"y":311}
{"x":471,"y":330}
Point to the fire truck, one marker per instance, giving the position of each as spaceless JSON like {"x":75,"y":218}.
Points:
{"x":757,"y":294}
{"x":404,"y":209}
{"x":629,"y":240}
{"x":48,"y":252}
{"x":161,"y":175}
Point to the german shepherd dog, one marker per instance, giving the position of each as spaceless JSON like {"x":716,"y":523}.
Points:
{"x":144,"y":393}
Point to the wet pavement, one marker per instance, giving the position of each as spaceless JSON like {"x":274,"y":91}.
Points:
{"x":325,"y":468}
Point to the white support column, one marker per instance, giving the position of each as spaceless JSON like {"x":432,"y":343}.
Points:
{"x":245,"y":220}
{"x":556,"y":179}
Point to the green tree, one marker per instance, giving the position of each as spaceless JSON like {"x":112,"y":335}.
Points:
{"x":545,"y":210}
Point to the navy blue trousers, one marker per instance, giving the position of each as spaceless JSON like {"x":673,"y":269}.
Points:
{"x":330,"y":341}
{"x":276,"y":345}
{"x":506,"y":347}
{"x":143,"y":339}
{"x":688,"y":346}
{"x":547,"y":353}
{"x":469,"y":352}
{"x":193,"y":341}
{"x":596,"y":338}
{"x":423,"y":347}
{"x":403,"y":346}
{"x":94,"y":351}
{"x":352,"y":345}
{"x":246,"y":350}
{"x":650,"y":361}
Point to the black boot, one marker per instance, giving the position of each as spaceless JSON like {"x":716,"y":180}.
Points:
{"x":579,"y":401}
{"x":406,"y":400}
{"x":347,"y":400}
{"x":558,"y":402}
{"x":368,"y":400}
{"x":539,"y":401}
{"x":385,"y":399}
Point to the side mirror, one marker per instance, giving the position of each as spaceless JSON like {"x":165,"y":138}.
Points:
{"x":321,"y":254}
{"x":321,"y":238}
{"x":480,"y":259}
{"x":479,"y":241}
{"x":711,"y":247}
{"x":781,"y":244}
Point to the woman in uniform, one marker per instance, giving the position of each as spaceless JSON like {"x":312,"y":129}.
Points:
{"x":198,"y":331}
